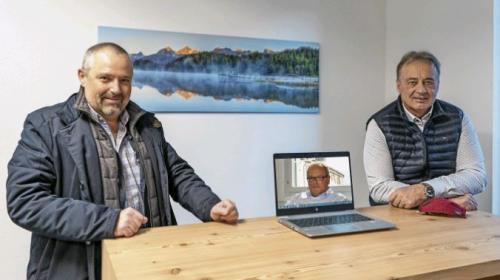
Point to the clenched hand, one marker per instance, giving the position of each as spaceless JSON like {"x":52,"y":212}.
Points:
{"x":408,"y":197}
{"x":224,"y":211}
{"x":129,"y":222}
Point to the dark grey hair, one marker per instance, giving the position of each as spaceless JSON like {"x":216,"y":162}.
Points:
{"x":97,"y":47}
{"x":418,"y":55}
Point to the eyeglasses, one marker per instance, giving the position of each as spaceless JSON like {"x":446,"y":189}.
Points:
{"x":317,"y":179}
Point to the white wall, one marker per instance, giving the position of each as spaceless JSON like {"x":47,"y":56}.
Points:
{"x":43,"y":42}
{"x":495,"y":196}
{"x":460,"y":34}
{"x":352,"y":79}
{"x":42,"y":45}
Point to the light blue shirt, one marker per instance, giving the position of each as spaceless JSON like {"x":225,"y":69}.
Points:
{"x":307,"y":198}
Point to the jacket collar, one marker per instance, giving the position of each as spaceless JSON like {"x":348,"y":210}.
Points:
{"x":437,"y":110}
{"x":77,"y":106}
{"x":77,"y":137}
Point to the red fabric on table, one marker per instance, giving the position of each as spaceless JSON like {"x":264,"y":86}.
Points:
{"x":442,"y":206}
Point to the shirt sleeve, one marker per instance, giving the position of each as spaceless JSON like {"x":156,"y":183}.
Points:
{"x":470,"y":175}
{"x":378,"y":165}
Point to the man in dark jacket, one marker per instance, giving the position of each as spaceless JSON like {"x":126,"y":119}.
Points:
{"x":97,"y":166}
{"x":419,"y":147}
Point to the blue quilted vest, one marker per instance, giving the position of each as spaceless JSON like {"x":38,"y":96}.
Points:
{"x":418,"y":156}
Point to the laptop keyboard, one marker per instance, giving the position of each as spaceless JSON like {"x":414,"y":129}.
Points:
{"x":329,"y":220}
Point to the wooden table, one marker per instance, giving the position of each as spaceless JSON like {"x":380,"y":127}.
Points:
{"x":422,"y":247}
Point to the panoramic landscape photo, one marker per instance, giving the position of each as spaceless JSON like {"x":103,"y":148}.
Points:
{"x":186,"y":72}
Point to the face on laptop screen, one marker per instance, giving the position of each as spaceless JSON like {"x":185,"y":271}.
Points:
{"x":312,"y":181}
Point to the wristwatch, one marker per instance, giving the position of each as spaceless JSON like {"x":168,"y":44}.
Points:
{"x":429,"y":190}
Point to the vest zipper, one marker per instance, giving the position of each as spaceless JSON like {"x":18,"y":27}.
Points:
{"x":146,"y":200}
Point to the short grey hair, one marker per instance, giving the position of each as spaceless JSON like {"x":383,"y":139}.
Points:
{"x":100,"y":46}
{"x":418,"y":55}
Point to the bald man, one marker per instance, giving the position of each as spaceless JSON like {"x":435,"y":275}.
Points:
{"x":318,"y":179}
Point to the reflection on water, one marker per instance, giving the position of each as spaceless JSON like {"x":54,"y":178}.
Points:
{"x":167,"y":91}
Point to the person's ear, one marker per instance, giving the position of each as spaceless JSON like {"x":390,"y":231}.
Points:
{"x":399,"y":85}
{"x":82,"y":76}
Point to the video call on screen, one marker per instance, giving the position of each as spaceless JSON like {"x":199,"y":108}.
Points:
{"x":292,"y":183}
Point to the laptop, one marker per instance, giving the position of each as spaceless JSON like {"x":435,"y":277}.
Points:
{"x":319,"y":202}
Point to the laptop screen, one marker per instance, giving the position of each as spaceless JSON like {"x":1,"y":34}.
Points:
{"x":312,"y":182}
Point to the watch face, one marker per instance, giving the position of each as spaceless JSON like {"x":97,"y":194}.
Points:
{"x":429,"y":191}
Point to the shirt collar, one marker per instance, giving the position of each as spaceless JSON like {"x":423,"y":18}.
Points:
{"x":412,"y":118}
{"x":321,"y":196}
{"x":124,"y":117}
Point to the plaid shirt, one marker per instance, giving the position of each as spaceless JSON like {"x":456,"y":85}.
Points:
{"x":132,"y":182}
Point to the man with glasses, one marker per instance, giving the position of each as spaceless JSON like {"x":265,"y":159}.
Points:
{"x":418,"y":147}
{"x":318,"y":179}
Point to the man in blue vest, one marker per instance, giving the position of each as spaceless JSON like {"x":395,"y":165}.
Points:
{"x":419,"y":147}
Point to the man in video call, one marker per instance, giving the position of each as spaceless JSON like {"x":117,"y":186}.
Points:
{"x":318,"y":179}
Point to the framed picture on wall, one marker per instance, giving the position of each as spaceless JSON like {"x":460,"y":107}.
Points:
{"x":187,"y":72}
